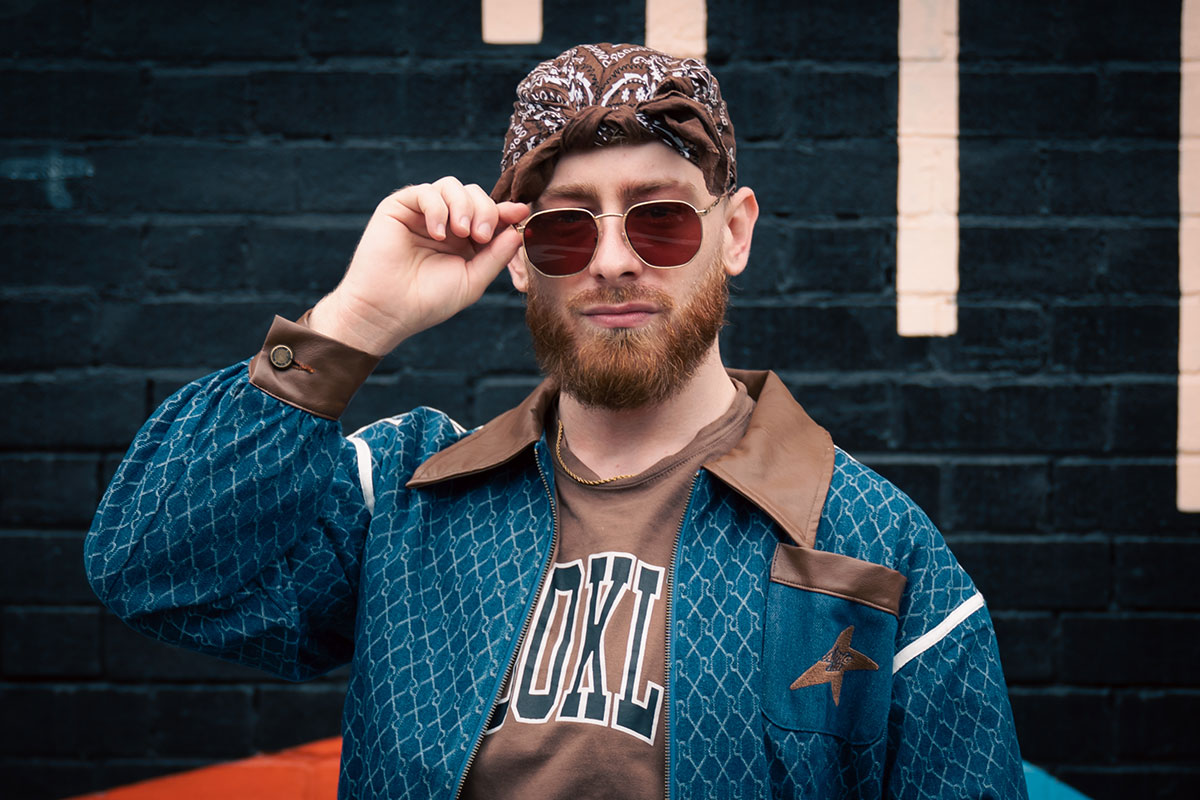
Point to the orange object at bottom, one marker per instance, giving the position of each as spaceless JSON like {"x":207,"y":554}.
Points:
{"x":308,"y":772}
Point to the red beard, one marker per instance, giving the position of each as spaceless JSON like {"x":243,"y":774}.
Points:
{"x":622,"y":368}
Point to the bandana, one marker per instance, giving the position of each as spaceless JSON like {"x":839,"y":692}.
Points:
{"x":592,"y":95}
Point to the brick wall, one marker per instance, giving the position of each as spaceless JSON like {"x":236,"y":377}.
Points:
{"x":172,"y":175}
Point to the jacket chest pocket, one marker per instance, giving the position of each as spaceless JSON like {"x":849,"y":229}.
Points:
{"x":828,"y":643}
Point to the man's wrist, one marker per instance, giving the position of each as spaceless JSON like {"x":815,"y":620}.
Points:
{"x":330,"y":319}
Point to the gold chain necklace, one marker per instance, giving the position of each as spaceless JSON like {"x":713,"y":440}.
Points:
{"x":566,"y":469}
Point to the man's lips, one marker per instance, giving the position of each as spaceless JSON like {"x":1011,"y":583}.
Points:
{"x":625,"y":315}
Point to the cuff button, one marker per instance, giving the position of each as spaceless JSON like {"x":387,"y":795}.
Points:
{"x":281,"y":356}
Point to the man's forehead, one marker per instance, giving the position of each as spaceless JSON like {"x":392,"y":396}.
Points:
{"x":627,"y":172}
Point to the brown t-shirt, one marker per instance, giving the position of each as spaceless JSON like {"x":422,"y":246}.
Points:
{"x":582,"y":714}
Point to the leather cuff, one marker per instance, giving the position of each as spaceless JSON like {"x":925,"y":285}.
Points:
{"x":307,"y":370}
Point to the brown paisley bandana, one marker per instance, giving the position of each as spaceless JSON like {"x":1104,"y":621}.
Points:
{"x":595,"y":94}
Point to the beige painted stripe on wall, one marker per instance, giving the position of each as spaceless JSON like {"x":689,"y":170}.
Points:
{"x":927,"y":187}
{"x":1188,"y":459}
{"x":512,"y":21}
{"x":678,"y":27}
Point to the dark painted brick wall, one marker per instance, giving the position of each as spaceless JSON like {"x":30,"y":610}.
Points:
{"x":216,"y":164}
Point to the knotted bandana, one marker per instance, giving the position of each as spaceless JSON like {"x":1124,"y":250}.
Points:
{"x":594,"y":94}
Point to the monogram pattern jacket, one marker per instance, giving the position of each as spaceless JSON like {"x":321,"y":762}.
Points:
{"x":823,"y":641}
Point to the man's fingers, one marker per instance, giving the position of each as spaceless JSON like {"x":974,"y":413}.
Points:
{"x":460,"y":208}
{"x":483,"y":221}
{"x":447,"y":208}
{"x":428,"y":201}
{"x":512,"y":213}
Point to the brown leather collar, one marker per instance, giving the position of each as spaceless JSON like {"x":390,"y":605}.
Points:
{"x":783,"y":464}
{"x":493,"y":444}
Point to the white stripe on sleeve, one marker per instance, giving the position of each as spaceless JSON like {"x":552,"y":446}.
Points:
{"x":363,"y":451}
{"x":928,"y":639}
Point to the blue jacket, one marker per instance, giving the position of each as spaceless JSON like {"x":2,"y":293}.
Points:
{"x":823,"y":641}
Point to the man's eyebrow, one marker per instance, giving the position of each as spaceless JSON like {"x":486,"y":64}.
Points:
{"x":636,"y":191}
{"x":569,"y":191}
{"x":630,"y":192}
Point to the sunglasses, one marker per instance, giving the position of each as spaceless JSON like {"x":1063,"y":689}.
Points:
{"x":663,"y":234}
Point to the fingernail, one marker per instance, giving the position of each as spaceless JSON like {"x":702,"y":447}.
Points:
{"x":440,"y":231}
{"x":465,"y":223}
{"x":484,"y":230}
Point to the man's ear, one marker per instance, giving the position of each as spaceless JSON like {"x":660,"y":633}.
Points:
{"x":518,"y":270}
{"x":740,"y":216}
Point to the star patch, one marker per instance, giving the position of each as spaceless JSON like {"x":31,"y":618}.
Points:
{"x":833,"y":666}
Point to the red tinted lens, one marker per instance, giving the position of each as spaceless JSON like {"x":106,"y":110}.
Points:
{"x":560,"y":242}
{"x":664,"y":233}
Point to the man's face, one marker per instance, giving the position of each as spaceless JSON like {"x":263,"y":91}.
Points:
{"x":622,"y":334}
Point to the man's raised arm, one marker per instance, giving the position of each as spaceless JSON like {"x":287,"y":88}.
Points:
{"x":235,"y":523}
{"x":428,"y":252}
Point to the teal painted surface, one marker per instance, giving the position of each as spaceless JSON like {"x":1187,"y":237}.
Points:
{"x":1043,"y":787}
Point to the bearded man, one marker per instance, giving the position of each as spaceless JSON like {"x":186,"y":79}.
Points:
{"x":655,"y":577}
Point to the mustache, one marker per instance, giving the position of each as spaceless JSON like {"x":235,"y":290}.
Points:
{"x":616,"y":295}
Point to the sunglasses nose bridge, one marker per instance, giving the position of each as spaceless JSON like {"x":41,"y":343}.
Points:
{"x":600,"y":227}
{"x":607,"y":261}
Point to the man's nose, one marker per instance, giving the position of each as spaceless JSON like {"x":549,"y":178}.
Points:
{"x":614,"y":260}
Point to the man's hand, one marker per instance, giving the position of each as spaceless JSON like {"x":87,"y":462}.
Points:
{"x":428,"y":252}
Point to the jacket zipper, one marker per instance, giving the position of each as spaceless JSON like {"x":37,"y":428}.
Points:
{"x":462,"y":781}
{"x":687,"y":507}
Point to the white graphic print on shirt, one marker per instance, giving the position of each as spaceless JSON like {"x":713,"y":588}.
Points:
{"x":563,"y":673}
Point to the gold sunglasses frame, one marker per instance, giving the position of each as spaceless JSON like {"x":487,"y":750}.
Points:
{"x":701,"y":213}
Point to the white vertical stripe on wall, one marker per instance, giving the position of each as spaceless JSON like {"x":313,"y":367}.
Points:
{"x":1188,"y":459}
{"x":927,"y":185}
{"x":678,"y":27}
{"x":512,"y":21}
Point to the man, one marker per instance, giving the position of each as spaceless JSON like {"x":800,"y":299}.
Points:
{"x":655,"y":577}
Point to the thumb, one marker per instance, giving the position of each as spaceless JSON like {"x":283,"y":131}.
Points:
{"x":492,"y":258}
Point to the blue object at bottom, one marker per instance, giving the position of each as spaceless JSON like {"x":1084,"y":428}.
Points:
{"x":1044,"y":787}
